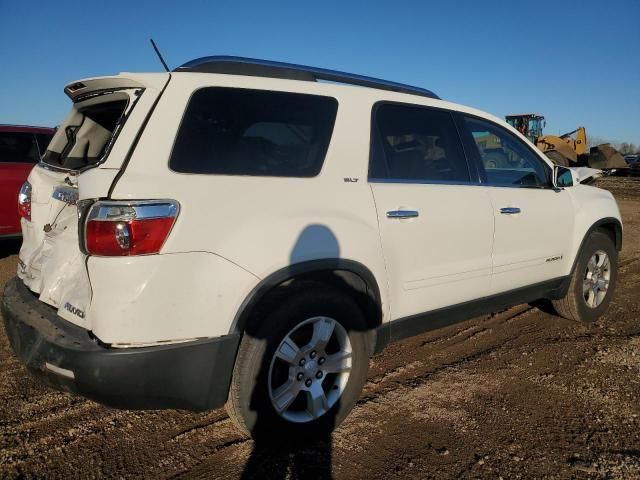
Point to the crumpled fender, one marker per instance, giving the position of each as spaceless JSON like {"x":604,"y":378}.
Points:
{"x":587,"y":175}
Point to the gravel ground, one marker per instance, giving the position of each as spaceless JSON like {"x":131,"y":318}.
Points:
{"x":518,"y":394}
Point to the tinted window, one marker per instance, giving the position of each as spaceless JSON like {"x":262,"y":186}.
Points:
{"x":233,"y":131}
{"x":18,"y":147}
{"x":416,"y":143}
{"x":507,"y":161}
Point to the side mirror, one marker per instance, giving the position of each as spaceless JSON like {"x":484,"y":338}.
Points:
{"x":564,"y":177}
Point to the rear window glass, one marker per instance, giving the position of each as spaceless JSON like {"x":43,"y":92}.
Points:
{"x":18,"y":147}
{"x":86,"y":135}
{"x":231,"y":131}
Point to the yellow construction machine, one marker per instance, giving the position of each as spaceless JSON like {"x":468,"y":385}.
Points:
{"x":570,"y":149}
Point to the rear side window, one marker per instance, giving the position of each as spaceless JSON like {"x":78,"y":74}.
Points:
{"x":416,"y":143}
{"x":231,"y":131}
{"x":18,"y":147}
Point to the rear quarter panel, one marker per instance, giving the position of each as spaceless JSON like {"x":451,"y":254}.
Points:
{"x":262,"y":224}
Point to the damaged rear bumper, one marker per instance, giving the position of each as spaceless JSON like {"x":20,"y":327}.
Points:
{"x":192,"y":375}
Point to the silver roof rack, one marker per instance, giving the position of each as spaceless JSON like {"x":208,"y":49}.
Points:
{"x":266,"y":68}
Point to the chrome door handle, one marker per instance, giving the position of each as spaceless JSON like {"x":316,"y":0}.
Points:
{"x":509,"y":210}
{"x":402,"y":214}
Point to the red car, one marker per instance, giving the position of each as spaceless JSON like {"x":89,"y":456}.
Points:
{"x":20,"y":149}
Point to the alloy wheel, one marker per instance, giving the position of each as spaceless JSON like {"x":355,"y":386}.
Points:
{"x":596,"y":279}
{"x":310,"y":369}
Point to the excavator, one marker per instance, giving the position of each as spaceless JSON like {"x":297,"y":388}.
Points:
{"x":570,"y":149}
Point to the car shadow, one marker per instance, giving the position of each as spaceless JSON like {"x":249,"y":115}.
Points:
{"x":9,"y":246}
{"x":291,"y":460}
{"x":273,"y":456}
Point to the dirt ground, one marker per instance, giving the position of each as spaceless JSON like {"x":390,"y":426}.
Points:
{"x":520,"y":394}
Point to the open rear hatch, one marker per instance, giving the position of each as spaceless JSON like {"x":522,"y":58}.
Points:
{"x":80,"y":165}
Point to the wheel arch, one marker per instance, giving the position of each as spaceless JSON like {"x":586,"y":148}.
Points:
{"x":611,"y":225}
{"x":359,"y":279}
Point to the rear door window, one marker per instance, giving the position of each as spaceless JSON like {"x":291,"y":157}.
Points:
{"x":18,"y":147}
{"x":229,"y":131}
{"x":414,"y":143}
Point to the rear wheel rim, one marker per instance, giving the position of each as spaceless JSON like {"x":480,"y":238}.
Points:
{"x":597,"y":277}
{"x":306,"y":381}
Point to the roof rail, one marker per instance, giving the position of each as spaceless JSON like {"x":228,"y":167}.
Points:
{"x":266,"y":68}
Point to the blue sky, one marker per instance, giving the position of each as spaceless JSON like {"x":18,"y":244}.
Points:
{"x":577,"y":62}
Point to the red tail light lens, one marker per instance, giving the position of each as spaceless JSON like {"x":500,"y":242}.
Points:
{"x":129,"y":228}
{"x":24,"y":201}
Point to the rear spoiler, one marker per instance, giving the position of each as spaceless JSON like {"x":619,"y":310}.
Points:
{"x":78,"y":90}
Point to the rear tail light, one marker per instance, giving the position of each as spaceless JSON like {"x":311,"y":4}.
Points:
{"x":24,"y":201}
{"x":128,"y":228}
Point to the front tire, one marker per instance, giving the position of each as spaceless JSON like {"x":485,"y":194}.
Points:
{"x":300,"y":367}
{"x":593,"y":280}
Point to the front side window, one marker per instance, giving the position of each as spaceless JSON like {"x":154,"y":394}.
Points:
{"x":506,"y":160}
{"x":19,"y":147}
{"x":233,"y":131}
{"x":416,"y":143}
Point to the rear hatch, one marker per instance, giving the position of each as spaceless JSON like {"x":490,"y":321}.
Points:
{"x":80,"y":165}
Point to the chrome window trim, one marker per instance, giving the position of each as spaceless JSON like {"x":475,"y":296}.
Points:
{"x":530,"y":187}
{"x":54,"y":168}
{"x":458,"y":184}
{"x":422,"y":182}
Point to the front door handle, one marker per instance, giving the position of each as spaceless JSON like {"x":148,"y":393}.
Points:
{"x":402,"y":214}
{"x":509,"y":210}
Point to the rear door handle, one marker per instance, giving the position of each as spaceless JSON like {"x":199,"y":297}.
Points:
{"x":509,"y":210}
{"x":402,"y":214}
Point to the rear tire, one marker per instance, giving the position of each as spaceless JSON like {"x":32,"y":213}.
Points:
{"x":593,"y":280}
{"x":256,"y":401}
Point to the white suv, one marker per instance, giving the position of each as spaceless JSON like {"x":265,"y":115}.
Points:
{"x":238,"y":232}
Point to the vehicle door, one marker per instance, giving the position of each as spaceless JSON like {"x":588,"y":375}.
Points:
{"x":435,"y":220}
{"x":533,"y":220}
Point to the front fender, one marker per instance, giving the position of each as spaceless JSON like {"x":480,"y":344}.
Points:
{"x":595,"y":208}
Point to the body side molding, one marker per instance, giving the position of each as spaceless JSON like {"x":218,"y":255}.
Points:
{"x":443,"y":317}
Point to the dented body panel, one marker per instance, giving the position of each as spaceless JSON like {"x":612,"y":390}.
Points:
{"x":52,"y":263}
{"x":174,"y":309}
